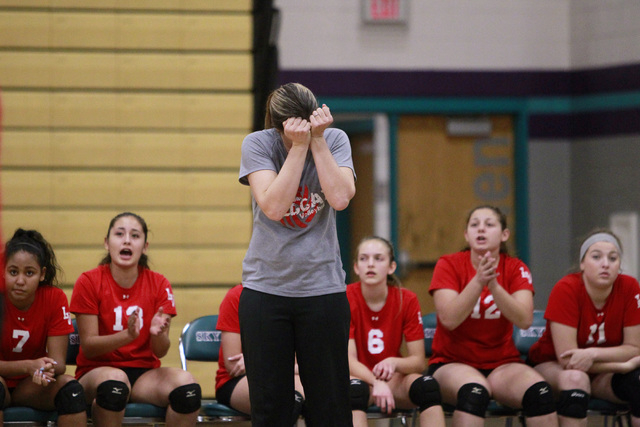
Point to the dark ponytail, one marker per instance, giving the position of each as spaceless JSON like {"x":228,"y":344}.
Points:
{"x":31,"y":241}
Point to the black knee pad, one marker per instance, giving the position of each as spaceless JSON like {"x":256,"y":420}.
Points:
{"x":538,"y":400}
{"x":112,"y":395}
{"x":425,"y":392}
{"x":298,"y":403}
{"x":359,"y":391}
{"x":70,"y":399}
{"x":573,"y":403}
{"x":186,"y":399}
{"x":625,"y":387}
{"x":473,"y":398}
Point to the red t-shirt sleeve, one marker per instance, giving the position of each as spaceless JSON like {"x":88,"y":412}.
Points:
{"x":84,"y":299}
{"x":228,"y":320}
{"x":519,"y":275}
{"x":632,"y":309}
{"x":353,"y":307}
{"x":165,"y":297}
{"x":413,"y":329}
{"x":445,"y":276}
{"x":562,"y":306}
{"x":60,"y":319}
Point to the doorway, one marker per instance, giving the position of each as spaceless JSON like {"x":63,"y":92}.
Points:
{"x":444,"y":166}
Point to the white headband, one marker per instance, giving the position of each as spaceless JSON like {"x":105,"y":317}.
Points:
{"x":598,"y":237}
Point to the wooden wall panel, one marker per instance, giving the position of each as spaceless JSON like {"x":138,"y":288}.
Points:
{"x":64,"y":70}
{"x":228,"y":32}
{"x":197,"y":228}
{"x":170,"y":5}
{"x":222,"y":71}
{"x":185,"y":267}
{"x":24,"y":29}
{"x":29,"y":109}
{"x":121,"y":30}
{"x":121,"y":150}
{"x":80,"y":30}
{"x":73,"y":189}
{"x":222,"y":111}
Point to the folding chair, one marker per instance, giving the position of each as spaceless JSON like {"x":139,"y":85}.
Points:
{"x":24,"y":416}
{"x":200,"y":341}
{"x":618,"y":413}
{"x":525,"y":338}
{"x":405,"y":417}
{"x":429,"y":323}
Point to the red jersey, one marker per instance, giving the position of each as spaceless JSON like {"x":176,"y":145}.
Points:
{"x":483,"y":340}
{"x":228,"y":321}
{"x":25,"y":333}
{"x":569,"y":304}
{"x":378,"y":334}
{"x":96,"y":292}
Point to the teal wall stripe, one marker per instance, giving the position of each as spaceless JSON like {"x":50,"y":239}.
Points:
{"x":607,"y":102}
{"x":521,"y":190}
{"x":535,"y":105}
{"x":393,"y":179}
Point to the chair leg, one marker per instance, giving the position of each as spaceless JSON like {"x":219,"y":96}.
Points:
{"x":618,"y":420}
{"x":523,"y":420}
{"x":393,"y":422}
{"x":415,"y":418}
{"x":621,"y":418}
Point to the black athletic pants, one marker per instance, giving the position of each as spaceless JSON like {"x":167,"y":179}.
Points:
{"x":274,"y":330}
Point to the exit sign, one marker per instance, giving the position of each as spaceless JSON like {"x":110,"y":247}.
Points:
{"x":384,"y":11}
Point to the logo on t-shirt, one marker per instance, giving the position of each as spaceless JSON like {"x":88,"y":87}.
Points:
{"x":303,"y":209}
{"x":526,"y":275}
{"x":66,"y":316}
{"x":170,"y":297}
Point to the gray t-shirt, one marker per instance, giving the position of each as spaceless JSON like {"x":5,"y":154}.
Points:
{"x":298,"y":256}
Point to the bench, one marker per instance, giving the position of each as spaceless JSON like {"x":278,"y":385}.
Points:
{"x":524,"y":339}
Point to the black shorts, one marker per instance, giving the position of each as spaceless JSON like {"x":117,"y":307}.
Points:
{"x":134,"y":373}
{"x":223,"y":394}
{"x":435,"y":366}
